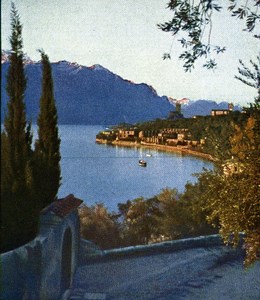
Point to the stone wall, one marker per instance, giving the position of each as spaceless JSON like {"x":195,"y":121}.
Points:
{"x":92,"y":253}
{"x":43,"y":268}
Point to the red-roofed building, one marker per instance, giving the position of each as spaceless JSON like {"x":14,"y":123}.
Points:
{"x":62,"y":207}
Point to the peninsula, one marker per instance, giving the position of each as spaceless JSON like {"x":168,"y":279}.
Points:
{"x":166,"y":139}
{"x":201,"y":136}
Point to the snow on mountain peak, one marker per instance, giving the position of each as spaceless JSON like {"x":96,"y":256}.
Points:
{"x":183,"y":101}
{"x":97,"y":67}
{"x":5,"y":56}
{"x":6,"y":53}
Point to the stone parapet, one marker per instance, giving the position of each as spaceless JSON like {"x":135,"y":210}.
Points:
{"x":44,"y":268}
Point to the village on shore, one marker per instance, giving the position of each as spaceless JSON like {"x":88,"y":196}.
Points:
{"x":165,"y":139}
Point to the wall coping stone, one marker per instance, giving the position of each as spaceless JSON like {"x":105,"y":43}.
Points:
{"x":157,"y":248}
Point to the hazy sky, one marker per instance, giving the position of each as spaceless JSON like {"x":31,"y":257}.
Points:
{"x":122,"y":36}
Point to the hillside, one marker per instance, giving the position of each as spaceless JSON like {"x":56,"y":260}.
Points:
{"x":90,"y":95}
{"x":94,"y":95}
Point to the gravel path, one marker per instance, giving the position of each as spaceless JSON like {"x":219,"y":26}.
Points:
{"x":201,"y":273}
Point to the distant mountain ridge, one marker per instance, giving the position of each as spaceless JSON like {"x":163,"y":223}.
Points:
{"x":95,"y":96}
{"x":191,"y":108}
{"x":204,"y":107}
{"x":90,"y":95}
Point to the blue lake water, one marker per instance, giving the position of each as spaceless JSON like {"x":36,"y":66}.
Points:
{"x":111,"y":174}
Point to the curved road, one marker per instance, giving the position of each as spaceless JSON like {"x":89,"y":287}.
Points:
{"x":200,"y":273}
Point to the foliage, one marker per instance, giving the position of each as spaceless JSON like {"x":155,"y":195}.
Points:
{"x":168,"y":215}
{"x":249,"y":77}
{"x":172,"y":219}
{"x":183,"y":214}
{"x":233,"y":195}
{"x":140,"y":220}
{"x":99,"y":226}
{"x":47,"y":147}
{"x":193,"y":205}
{"x":193,"y":20}
{"x":18,"y":218}
{"x":217,"y":133}
{"x":29,"y":179}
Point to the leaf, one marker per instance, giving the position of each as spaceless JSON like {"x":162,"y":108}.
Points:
{"x":166,"y":56}
{"x":217,"y":7}
{"x":210,"y":64}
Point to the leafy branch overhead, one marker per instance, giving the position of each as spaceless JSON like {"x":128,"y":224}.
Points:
{"x":253,"y":76}
{"x":192,"y":22}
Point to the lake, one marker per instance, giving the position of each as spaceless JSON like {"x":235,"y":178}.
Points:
{"x":111,"y":174}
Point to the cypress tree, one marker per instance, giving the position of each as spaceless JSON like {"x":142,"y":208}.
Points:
{"x":18,"y":224}
{"x":47,"y":147}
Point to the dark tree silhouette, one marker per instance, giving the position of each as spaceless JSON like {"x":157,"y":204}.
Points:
{"x":18,"y":223}
{"x":47,"y":147}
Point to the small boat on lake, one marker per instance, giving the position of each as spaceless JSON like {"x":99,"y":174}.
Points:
{"x":142,"y":163}
{"x":148,"y":154}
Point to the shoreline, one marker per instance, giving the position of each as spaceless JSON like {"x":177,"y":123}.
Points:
{"x":166,"y":148}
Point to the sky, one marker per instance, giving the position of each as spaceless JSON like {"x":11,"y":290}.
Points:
{"x":122,"y":36}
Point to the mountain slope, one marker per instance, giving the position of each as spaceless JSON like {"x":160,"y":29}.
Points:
{"x":94,"y":95}
{"x":90,"y":95}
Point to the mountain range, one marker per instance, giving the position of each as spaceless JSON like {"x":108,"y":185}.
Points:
{"x":94,"y":95}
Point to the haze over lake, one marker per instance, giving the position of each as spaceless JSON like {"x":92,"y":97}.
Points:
{"x":111,"y":174}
